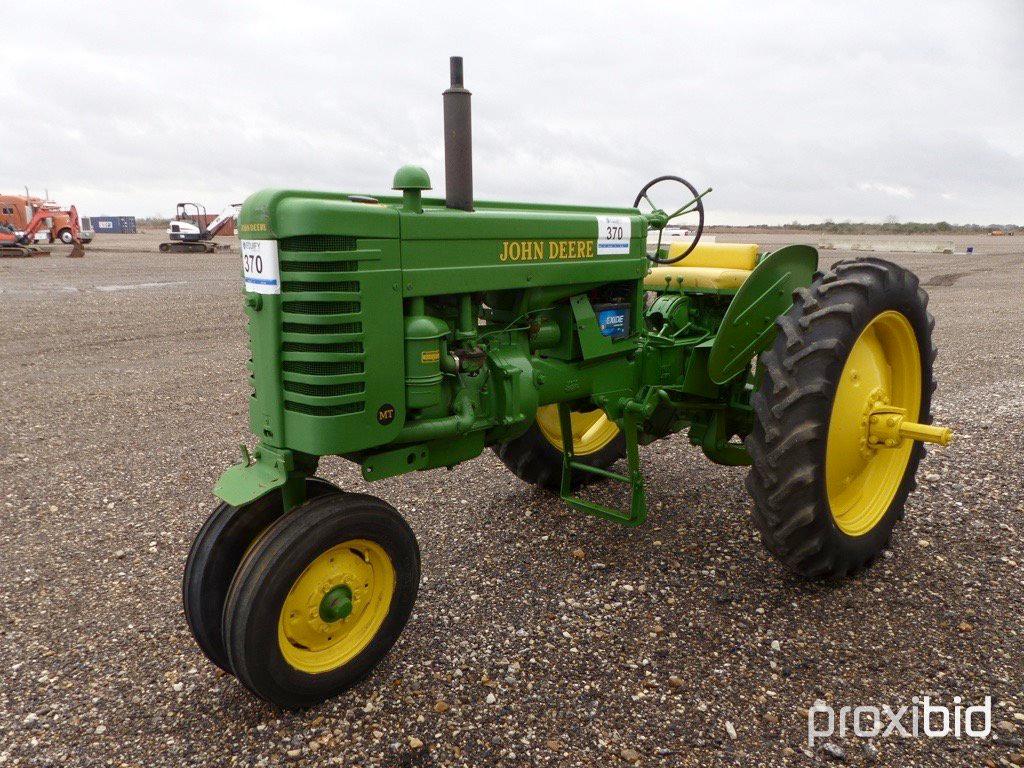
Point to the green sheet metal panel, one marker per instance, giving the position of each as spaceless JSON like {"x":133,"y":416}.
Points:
{"x":512,"y":247}
{"x":328,"y":351}
{"x":749,"y":323}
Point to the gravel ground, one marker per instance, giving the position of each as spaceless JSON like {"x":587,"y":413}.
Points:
{"x":540,"y":637}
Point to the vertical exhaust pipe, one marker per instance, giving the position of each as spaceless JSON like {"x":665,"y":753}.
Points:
{"x":458,"y":142}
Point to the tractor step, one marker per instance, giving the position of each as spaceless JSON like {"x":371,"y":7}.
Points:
{"x":637,"y":513}
{"x":598,"y":471}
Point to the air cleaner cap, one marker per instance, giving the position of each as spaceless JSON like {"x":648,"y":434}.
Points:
{"x":411,"y":177}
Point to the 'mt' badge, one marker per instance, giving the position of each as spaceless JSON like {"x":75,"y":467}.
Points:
{"x":385,"y":414}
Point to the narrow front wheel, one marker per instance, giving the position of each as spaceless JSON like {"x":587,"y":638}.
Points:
{"x":320,"y":598}
{"x":216,"y":552}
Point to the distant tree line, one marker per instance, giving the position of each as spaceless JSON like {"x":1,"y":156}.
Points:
{"x":890,"y":226}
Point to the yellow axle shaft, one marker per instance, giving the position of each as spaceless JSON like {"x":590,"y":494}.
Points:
{"x":888,"y":427}
{"x":926,"y":433}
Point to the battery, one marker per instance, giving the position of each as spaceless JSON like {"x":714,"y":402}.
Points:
{"x":613,"y":320}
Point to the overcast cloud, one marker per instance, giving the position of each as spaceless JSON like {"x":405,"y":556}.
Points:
{"x":790,"y":110}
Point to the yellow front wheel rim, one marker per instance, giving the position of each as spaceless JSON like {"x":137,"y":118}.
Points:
{"x":360,"y":570}
{"x":591,"y":431}
{"x":882,"y":370}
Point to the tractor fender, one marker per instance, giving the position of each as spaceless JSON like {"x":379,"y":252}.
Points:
{"x":749,"y":323}
{"x":269,"y":469}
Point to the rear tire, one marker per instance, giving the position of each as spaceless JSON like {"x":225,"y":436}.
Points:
{"x":217,"y":550}
{"x":533,"y":457}
{"x":794,"y":408}
{"x":280,"y":643}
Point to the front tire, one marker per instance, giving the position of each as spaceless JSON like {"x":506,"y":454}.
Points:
{"x":859,"y":338}
{"x":320,"y":598}
{"x":66,"y":237}
{"x":216,"y":552}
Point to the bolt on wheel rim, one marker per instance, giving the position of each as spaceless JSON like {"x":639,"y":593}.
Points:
{"x":883,"y":370}
{"x":336,"y":606}
{"x":591,"y":431}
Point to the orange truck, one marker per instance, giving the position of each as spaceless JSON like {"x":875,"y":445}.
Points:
{"x":16,"y":211}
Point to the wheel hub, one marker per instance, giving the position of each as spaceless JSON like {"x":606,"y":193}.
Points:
{"x":591,"y":431}
{"x":337,"y":604}
{"x":876,"y":399}
{"x":870,"y":437}
{"x":888,"y":427}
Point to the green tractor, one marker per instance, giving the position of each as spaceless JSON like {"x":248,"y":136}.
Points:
{"x":408,"y":333}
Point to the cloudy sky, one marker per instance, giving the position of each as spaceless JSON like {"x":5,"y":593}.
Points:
{"x":790,"y":110}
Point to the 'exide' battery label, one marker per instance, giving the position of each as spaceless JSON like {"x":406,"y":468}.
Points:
{"x":614,"y":322}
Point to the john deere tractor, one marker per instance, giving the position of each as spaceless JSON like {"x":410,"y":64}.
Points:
{"x":406,"y":333}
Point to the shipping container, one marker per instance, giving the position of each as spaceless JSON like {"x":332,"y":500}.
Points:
{"x":113,"y":225}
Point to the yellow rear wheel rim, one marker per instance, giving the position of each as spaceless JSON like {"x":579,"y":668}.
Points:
{"x":312,"y":645}
{"x":591,"y":431}
{"x":883,"y":369}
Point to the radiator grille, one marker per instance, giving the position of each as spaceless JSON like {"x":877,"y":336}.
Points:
{"x":317,"y":243}
{"x":321,"y":266}
{"x":319,"y":307}
{"x":324,"y":390}
{"x":323,"y":329}
{"x":313,"y":368}
{"x":342,"y":387}
{"x":343,"y":286}
{"x":351,"y":347}
{"x":323,"y":410}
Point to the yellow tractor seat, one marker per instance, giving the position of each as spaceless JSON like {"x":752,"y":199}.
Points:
{"x":674,"y":278}
{"x":716,"y":266}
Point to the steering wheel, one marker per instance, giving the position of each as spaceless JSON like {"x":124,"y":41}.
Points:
{"x":658,"y":219}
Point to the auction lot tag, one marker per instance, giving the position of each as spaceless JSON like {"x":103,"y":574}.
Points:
{"x":259,"y":266}
{"x":613,"y":233}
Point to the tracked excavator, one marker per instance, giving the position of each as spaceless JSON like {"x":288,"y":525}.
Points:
{"x":19,"y":243}
{"x":189,"y":232}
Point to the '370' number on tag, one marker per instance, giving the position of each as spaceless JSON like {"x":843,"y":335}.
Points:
{"x":614,"y":231}
{"x":252,"y":263}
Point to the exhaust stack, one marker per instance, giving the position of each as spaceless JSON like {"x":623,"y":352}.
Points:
{"x":458,"y":142}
